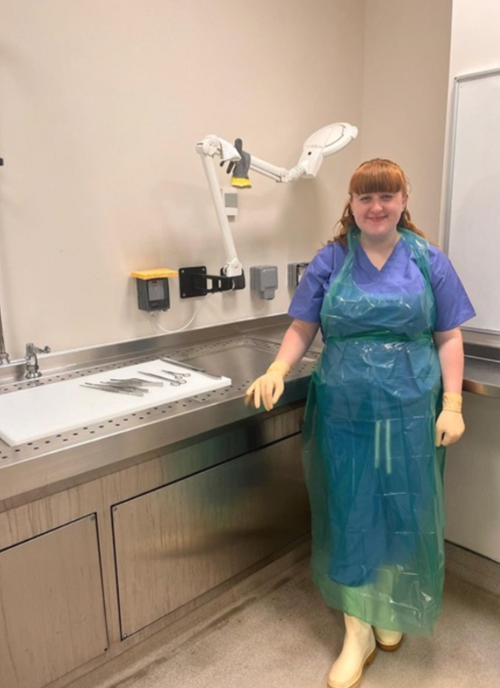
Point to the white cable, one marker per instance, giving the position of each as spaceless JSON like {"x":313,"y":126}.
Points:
{"x":184,"y":327}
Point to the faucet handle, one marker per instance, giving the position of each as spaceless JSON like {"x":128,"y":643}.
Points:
{"x":32,"y":349}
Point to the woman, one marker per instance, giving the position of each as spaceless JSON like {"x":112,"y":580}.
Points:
{"x":384,"y":402}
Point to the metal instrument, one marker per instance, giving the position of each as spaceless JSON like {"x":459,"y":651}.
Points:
{"x":116,"y":389}
{"x":177,"y":376}
{"x":190,"y":367}
{"x":172,"y":381}
{"x":136,"y":381}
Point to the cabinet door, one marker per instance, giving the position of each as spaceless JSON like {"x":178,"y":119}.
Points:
{"x":51,"y":601}
{"x":179,"y":541}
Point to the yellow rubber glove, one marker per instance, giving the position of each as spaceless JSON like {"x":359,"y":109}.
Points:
{"x":450,"y":424}
{"x":268,"y":387}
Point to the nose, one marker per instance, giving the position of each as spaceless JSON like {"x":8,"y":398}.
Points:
{"x":377,"y":205}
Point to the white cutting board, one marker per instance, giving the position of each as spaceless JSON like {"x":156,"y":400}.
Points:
{"x":31,"y":414}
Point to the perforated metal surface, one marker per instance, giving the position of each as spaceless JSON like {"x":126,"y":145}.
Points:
{"x":240,"y":358}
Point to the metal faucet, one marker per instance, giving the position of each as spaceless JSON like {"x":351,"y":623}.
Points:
{"x":32,"y":369}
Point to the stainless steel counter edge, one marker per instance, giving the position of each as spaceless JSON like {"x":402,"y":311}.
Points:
{"x":30,"y":472}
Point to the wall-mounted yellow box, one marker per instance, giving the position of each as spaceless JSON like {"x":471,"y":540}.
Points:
{"x":152,"y":288}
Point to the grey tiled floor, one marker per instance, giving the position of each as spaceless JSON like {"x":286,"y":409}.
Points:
{"x":283,"y":636}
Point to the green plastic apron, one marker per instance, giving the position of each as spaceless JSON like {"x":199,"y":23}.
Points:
{"x":374,"y":476}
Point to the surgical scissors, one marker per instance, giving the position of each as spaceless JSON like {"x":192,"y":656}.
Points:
{"x":177,"y":376}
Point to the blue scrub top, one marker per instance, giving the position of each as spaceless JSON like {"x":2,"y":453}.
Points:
{"x":400,"y":274}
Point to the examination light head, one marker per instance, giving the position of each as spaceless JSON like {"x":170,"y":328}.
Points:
{"x":324,"y":142}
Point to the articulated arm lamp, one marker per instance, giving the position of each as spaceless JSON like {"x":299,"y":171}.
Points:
{"x":322,"y":143}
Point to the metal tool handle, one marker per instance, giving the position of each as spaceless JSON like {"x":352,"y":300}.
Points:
{"x":181,"y":364}
{"x":174,"y":383}
{"x":136,"y":381}
{"x":113,"y":390}
{"x":178,"y":377}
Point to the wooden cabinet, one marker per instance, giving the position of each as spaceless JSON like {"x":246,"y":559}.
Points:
{"x":177,"y":542}
{"x":51,"y":601}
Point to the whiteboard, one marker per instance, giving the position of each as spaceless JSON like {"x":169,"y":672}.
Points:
{"x":472,"y":224}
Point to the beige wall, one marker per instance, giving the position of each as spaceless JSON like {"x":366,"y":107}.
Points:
{"x":101,"y":108}
{"x":102,"y":104}
{"x":407,"y":48}
{"x":475,"y":37}
{"x":473,"y":470}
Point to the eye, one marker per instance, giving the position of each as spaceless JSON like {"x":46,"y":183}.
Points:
{"x":387,"y":197}
{"x":365,"y":198}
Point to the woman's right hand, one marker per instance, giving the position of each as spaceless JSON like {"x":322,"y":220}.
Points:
{"x":268,"y":387}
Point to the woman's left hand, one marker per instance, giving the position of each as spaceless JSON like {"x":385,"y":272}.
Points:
{"x":450,"y":424}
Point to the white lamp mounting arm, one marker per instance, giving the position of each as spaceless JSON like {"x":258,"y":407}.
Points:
{"x":321,"y":144}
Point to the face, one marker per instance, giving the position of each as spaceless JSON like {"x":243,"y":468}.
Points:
{"x":377,"y":214}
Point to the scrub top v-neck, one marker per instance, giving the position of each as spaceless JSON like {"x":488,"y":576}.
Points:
{"x":367,"y":266}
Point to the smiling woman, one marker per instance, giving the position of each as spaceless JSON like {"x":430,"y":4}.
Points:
{"x":384,"y":402}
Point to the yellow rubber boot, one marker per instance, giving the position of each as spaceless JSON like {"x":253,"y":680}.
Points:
{"x":390,"y":641}
{"x":357,"y":653}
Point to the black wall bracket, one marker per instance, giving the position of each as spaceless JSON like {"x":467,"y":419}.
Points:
{"x":196,"y":282}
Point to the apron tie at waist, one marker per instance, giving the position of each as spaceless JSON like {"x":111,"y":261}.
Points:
{"x":381,"y":337}
{"x":376,"y":447}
